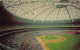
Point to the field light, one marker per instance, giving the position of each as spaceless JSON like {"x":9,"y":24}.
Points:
{"x":62,"y":21}
{"x":72,"y":20}
{"x":34,"y":20}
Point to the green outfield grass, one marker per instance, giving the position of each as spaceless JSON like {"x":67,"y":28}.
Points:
{"x":47,"y":37}
{"x":68,"y":44}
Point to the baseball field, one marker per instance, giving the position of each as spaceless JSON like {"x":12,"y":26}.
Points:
{"x":59,"y":42}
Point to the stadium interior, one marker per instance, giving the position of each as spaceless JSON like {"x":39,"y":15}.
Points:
{"x":39,"y":25}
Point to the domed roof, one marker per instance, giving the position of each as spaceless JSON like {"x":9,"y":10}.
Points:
{"x":44,"y":10}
